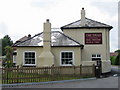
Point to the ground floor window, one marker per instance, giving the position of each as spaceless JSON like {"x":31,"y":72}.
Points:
{"x":67,"y":58}
{"x":29,"y":58}
{"x":96,"y":57}
{"x":14,"y":56}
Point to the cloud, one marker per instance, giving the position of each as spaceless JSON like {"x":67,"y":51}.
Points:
{"x":119,"y":25}
{"x":3,"y":28}
{"x":106,"y":7}
{"x":46,"y":4}
{"x":23,"y":17}
{"x":104,"y":1}
{"x":1,"y":35}
{"x":19,"y":17}
{"x":107,"y":12}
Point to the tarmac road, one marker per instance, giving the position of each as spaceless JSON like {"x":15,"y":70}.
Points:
{"x":115,"y":70}
{"x":109,"y":82}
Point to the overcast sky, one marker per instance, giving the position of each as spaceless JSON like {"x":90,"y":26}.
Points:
{"x":22,"y":17}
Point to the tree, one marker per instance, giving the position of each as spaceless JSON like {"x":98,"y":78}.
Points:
{"x":8,"y":59}
{"x":117,"y":51}
{"x":6,"y":41}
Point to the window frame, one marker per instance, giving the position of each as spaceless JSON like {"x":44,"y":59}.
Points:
{"x":96,"y":56}
{"x":66,"y":64}
{"x":24,"y":59}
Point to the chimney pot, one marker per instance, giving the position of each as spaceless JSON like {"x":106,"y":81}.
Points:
{"x":47,"y":20}
{"x":29,"y":35}
{"x":82,"y":8}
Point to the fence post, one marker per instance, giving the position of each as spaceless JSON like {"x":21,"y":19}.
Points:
{"x":52,"y":72}
{"x":17,"y":74}
{"x":74,"y":71}
{"x":80,"y":69}
{"x":61,"y":73}
{"x":93,"y":69}
{"x":6,"y":77}
{"x":2,"y":75}
{"x":7,"y":74}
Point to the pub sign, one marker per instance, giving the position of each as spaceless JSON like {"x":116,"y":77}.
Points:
{"x":93,"y":38}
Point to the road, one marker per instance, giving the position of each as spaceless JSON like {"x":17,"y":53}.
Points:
{"x":109,"y":82}
{"x":115,"y":70}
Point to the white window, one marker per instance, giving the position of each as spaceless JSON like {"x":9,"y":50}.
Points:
{"x":14,"y":56}
{"x":14,"y":59}
{"x":96,"y":57}
{"x":29,"y":58}
{"x":66,"y":58}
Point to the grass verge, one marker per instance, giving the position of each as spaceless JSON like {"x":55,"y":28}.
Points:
{"x":10,"y":78}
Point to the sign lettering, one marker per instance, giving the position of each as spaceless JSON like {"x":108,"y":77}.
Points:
{"x":93,"y":38}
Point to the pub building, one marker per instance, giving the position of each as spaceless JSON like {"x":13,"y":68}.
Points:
{"x":84,"y":41}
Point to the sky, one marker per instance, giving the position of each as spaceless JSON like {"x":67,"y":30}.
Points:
{"x":22,"y":17}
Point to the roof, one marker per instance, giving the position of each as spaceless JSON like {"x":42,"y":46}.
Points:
{"x":21,"y":40}
{"x":113,"y":53}
{"x":89,"y":24}
{"x":57,"y":39}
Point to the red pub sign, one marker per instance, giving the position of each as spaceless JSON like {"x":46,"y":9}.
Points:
{"x":93,"y":38}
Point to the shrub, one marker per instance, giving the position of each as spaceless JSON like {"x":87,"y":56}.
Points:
{"x":113,"y":58}
{"x":117,"y":60}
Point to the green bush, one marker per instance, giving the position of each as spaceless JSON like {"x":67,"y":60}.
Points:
{"x":113,"y":58}
{"x":117,"y":60}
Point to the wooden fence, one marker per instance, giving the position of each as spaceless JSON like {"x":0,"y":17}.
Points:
{"x":42,"y":74}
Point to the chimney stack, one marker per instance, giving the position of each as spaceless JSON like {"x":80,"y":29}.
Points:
{"x":46,"y":57}
{"x":47,"y":35}
{"x":83,"y":22}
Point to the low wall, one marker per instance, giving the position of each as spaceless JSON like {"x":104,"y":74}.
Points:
{"x":106,"y":65}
